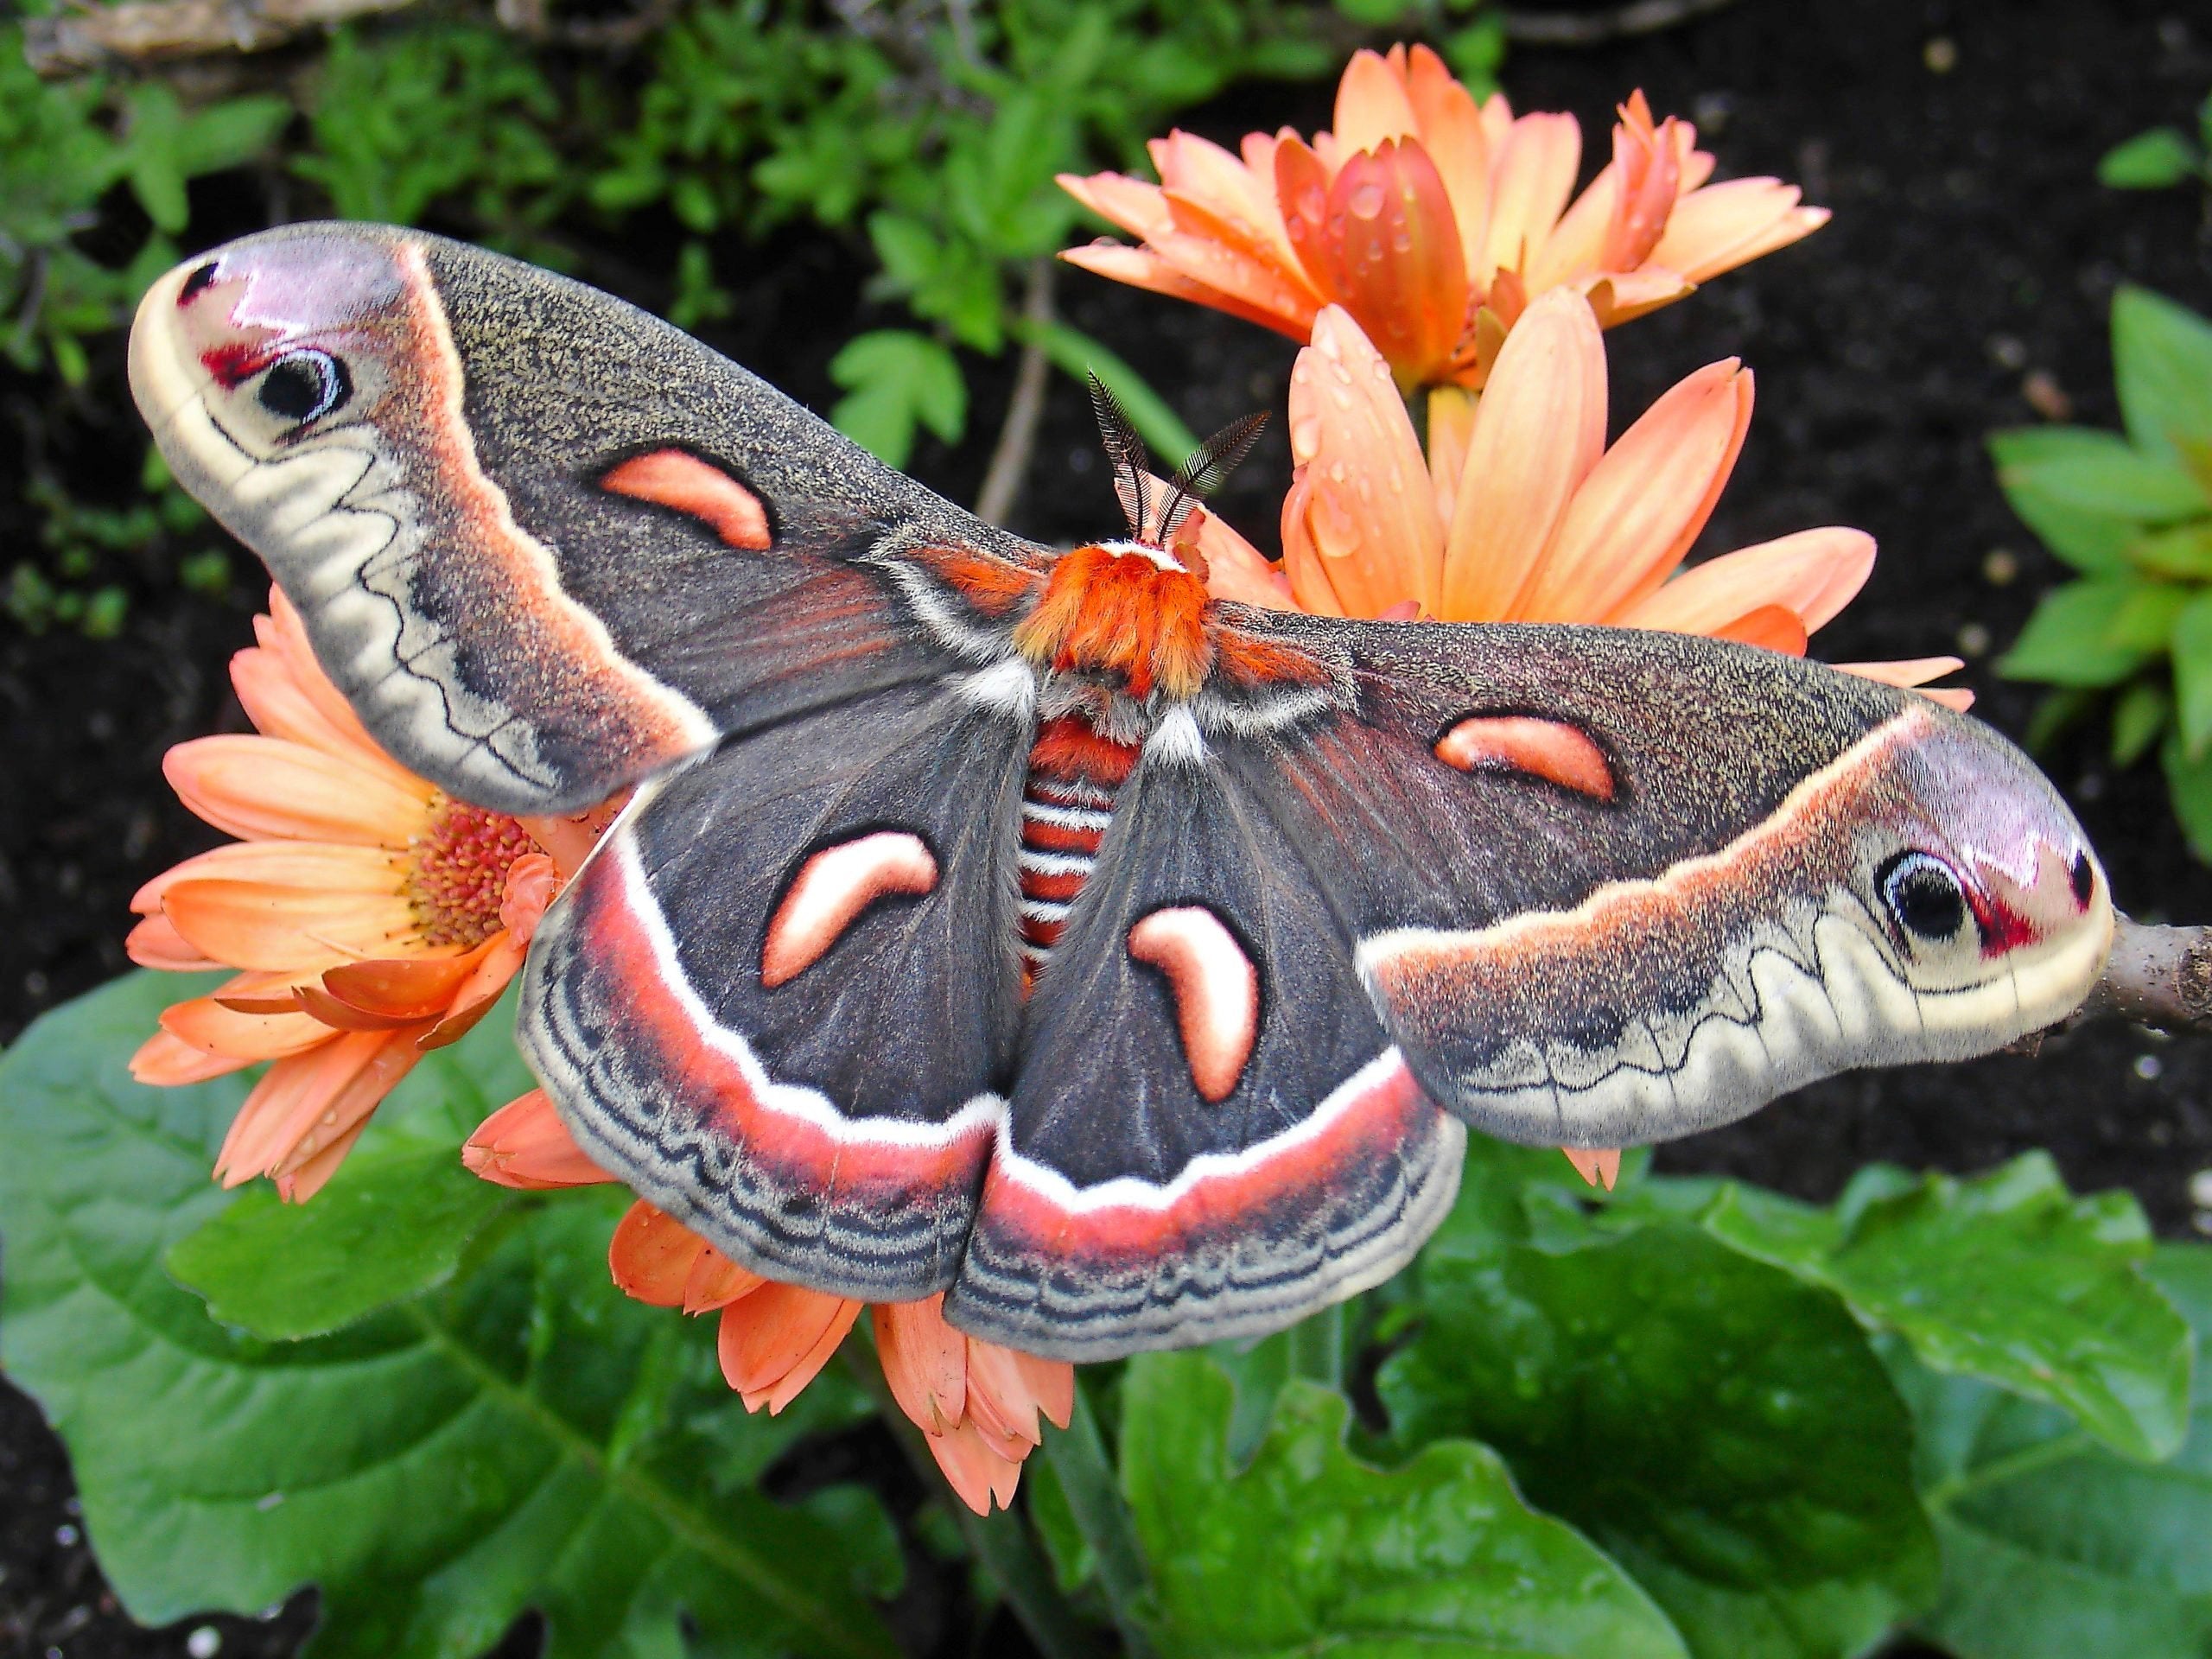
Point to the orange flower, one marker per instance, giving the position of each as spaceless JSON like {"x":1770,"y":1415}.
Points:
{"x":1431,"y":220}
{"x":373,"y":919}
{"x":979,"y":1405}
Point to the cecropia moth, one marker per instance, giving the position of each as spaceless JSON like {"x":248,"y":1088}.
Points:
{"x":1027,"y":925}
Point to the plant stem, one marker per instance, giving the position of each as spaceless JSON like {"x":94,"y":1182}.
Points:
{"x":1078,"y":1457}
{"x":1025,"y":410}
{"x":1317,"y":1347}
{"x":1002,"y":1543}
{"x":2011,"y":1466}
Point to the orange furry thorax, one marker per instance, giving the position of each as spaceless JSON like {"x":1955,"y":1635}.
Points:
{"x":1104,"y":612}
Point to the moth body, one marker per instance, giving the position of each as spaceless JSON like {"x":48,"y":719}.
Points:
{"x":1029,"y":926}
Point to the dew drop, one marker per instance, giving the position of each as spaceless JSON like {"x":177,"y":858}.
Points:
{"x":1365,"y":200}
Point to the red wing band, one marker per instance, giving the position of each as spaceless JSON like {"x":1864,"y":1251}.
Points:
{"x":1235,"y":1245}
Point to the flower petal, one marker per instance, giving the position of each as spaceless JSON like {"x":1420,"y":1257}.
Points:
{"x":1393,"y":259}
{"x":924,"y":1360}
{"x":1623,"y":296}
{"x":973,"y":1470}
{"x":281,"y":707}
{"x":1014,"y":1388}
{"x":309,"y":1102}
{"x":716,"y":1281}
{"x":155,"y":943}
{"x":264,"y":788}
{"x":298,"y":1182}
{"x":1360,"y":522}
{"x":1145,"y":268}
{"x":1261,"y":290}
{"x":1725,"y":225}
{"x":208,"y":1026}
{"x":163,"y":1060}
{"x":1533,"y":177}
{"x":1136,"y":206}
{"x":1814,"y":573}
{"x":773,"y":1342}
{"x":258,"y":924}
{"x":1238,"y":201}
{"x":524,"y":1144}
{"x":403,"y":988}
{"x":1599,"y":1166}
{"x":1641,"y":505}
{"x":651,"y":1254}
{"x":1913,"y":673}
{"x":1372,"y":105}
{"x":1236,"y":570}
{"x":1451,"y":428}
{"x":1539,"y":430}
{"x":1772,"y":627}
{"x":1450,"y":130}
{"x":313,"y":867}
{"x":502,"y":960}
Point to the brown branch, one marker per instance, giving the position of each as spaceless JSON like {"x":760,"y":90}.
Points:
{"x":145,"y":30}
{"x":2159,"y":977}
{"x":1025,"y":410}
{"x":1596,"y":28}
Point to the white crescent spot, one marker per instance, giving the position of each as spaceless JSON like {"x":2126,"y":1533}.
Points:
{"x":832,"y":888}
{"x":1217,"y":991}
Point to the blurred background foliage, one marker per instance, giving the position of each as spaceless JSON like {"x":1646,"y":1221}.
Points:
{"x":649,"y":150}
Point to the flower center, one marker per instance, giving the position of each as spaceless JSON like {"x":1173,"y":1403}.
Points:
{"x":457,"y":871}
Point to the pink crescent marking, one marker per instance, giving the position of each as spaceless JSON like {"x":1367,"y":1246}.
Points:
{"x":832,"y":889}
{"x":669,"y":478}
{"x":1555,"y":750}
{"x":1217,"y":991}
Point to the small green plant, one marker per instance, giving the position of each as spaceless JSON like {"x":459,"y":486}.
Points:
{"x":2131,"y":514}
{"x":2161,"y":158}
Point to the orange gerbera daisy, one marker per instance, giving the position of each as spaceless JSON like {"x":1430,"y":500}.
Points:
{"x":979,"y":1406}
{"x":1432,"y":220}
{"x":373,"y":918}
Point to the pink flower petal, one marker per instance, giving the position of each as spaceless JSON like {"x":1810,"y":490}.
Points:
{"x":264,"y":788}
{"x":1814,"y":573}
{"x":924,"y":1360}
{"x":524,"y":1144}
{"x":1372,"y":105}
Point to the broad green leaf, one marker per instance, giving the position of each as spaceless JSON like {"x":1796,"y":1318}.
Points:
{"x":2094,"y":633}
{"x":2137,"y":720}
{"x":1076,"y":355}
{"x":1309,"y":1550}
{"x":1723,"y":1430}
{"x":2103,"y":473}
{"x":393,"y":1223}
{"x":2192,"y":645}
{"x":229,"y":133}
{"x":2188,"y":786}
{"x":2182,"y":552}
{"x":523,"y":1436}
{"x":2093,"y":541}
{"x":895,"y":379}
{"x":2007,"y":1277}
{"x":2162,"y":364}
{"x":2053,"y":1547}
{"x":2156,"y":160}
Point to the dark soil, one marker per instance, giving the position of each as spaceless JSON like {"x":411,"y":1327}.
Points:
{"x":1971,"y":250}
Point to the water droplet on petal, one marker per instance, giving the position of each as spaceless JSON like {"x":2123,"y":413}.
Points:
{"x":1365,"y":200}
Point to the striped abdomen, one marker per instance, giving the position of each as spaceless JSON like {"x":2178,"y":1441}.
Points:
{"x":1065,"y":808}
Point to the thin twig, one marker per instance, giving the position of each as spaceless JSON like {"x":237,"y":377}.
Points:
{"x":1596,"y":28}
{"x":1025,"y":410}
{"x":141,"y":30}
{"x":2159,"y":977}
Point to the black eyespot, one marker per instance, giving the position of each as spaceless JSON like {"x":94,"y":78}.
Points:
{"x":1924,"y":895}
{"x":201,"y":279}
{"x":2084,"y":877}
{"x":305,"y":386}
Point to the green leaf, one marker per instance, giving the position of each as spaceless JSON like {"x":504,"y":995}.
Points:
{"x":2162,"y":364}
{"x":2094,"y":633}
{"x":2053,"y":1547}
{"x":1723,"y":1430}
{"x":2101,"y":474}
{"x":2007,"y":1277}
{"x":2190,"y":643}
{"x":895,"y":379}
{"x":2040,"y":469}
{"x":391,"y":1225}
{"x":1310,"y":1550}
{"x":1078,"y":355}
{"x":2188,"y":786}
{"x":2184,"y":552}
{"x":524,"y":1436}
{"x":2156,"y":160}
{"x":2137,"y":720}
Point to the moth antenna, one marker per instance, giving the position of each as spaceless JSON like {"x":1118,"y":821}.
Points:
{"x":1209,"y":467}
{"x":1125,"y":450}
